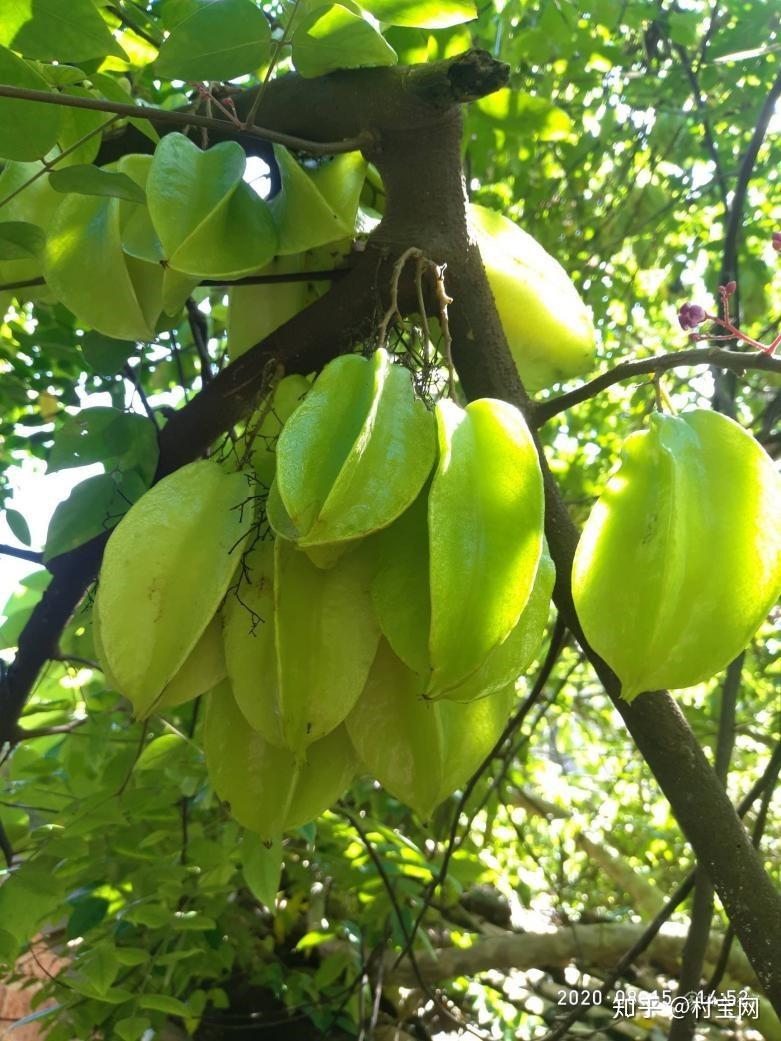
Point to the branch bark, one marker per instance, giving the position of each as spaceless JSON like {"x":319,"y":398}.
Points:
{"x":587,"y":946}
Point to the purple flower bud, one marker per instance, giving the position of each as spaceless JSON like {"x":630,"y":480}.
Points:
{"x":691,"y":315}
{"x":776,"y":240}
{"x":730,"y":288}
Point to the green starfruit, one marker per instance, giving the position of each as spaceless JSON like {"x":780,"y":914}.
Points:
{"x":354,"y":454}
{"x":402,"y":602}
{"x":485,"y":532}
{"x":209,"y":220}
{"x":680,"y":559}
{"x":299,"y":642}
{"x":166,"y":568}
{"x":548,"y":327}
{"x":420,"y":751}
{"x":266,"y":788}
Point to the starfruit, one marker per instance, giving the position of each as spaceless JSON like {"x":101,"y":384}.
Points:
{"x":165,"y":571}
{"x":485,"y":531}
{"x":203,"y":668}
{"x":266,"y":788}
{"x":420,"y":751}
{"x":209,"y":220}
{"x":680,"y":559}
{"x":299,"y":642}
{"x":318,"y":206}
{"x":89,"y":272}
{"x":285,"y":398}
{"x":354,"y":454}
{"x":402,"y":601}
{"x":548,"y":327}
{"x":26,"y":218}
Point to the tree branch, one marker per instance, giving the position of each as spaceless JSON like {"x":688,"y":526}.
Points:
{"x":174,"y":118}
{"x":737,"y":361}
{"x":22,"y":554}
{"x":589,"y":946}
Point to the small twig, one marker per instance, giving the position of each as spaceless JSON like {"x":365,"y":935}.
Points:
{"x":136,"y":381}
{"x":393,"y":307}
{"x":278,"y":45}
{"x":5,"y":847}
{"x":48,"y":164}
{"x":60,"y":728}
{"x":174,"y":118}
{"x":736,"y":360}
{"x":22,"y":554}
{"x":200,"y":330}
{"x":447,"y":341}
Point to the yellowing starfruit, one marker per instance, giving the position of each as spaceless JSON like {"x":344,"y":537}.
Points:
{"x":299,"y":642}
{"x":680,"y":559}
{"x":266,"y":788}
{"x":548,"y":327}
{"x":420,"y":751}
{"x":202,"y":669}
{"x":167,"y":567}
{"x":354,"y":454}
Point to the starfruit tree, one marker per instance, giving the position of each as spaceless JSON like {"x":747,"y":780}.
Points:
{"x":331,"y":510}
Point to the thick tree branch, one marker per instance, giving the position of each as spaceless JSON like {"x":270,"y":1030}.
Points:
{"x":589,"y":946}
{"x":737,"y":361}
{"x":175,"y":118}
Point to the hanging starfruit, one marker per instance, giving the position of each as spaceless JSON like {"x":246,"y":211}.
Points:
{"x":680,"y":559}
{"x":166,"y":569}
{"x":354,"y":454}
{"x":203,"y":668}
{"x":402,"y":601}
{"x":285,"y":399}
{"x":299,"y":642}
{"x":548,"y":327}
{"x":314,"y":207}
{"x":24,"y":222}
{"x":89,"y":272}
{"x":209,"y":220}
{"x":266,"y":788}
{"x":485,"y":531}
{"x":420,"y":751}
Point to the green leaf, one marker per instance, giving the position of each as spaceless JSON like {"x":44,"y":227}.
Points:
{"x":164,"y":1003}
{"x":333,"y":38}
{"x":28,"y":129}
{"x":132,"y":1028}
{"x":424,"y":14}
{"x":314,"y":939}
{"x":221,"y":40}
{"x":94,"y":506}
{"x":57,"y":30}
{"x":101,"y":967}
{"x":86,"y":914}
{"x":159,"y":751}
{"x":262,"y":867}
{"x":76,"y":124}
{"x":119,"y":440}
{"x":105,"y":355}
{"x":20,"y":240}
{"x":18,"y":526}
{"x":91,"y":180}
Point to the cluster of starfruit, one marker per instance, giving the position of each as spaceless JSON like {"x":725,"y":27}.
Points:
{"x":122,"y":246}
{"x":363,"y":597}
{"x":680,"y":560}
